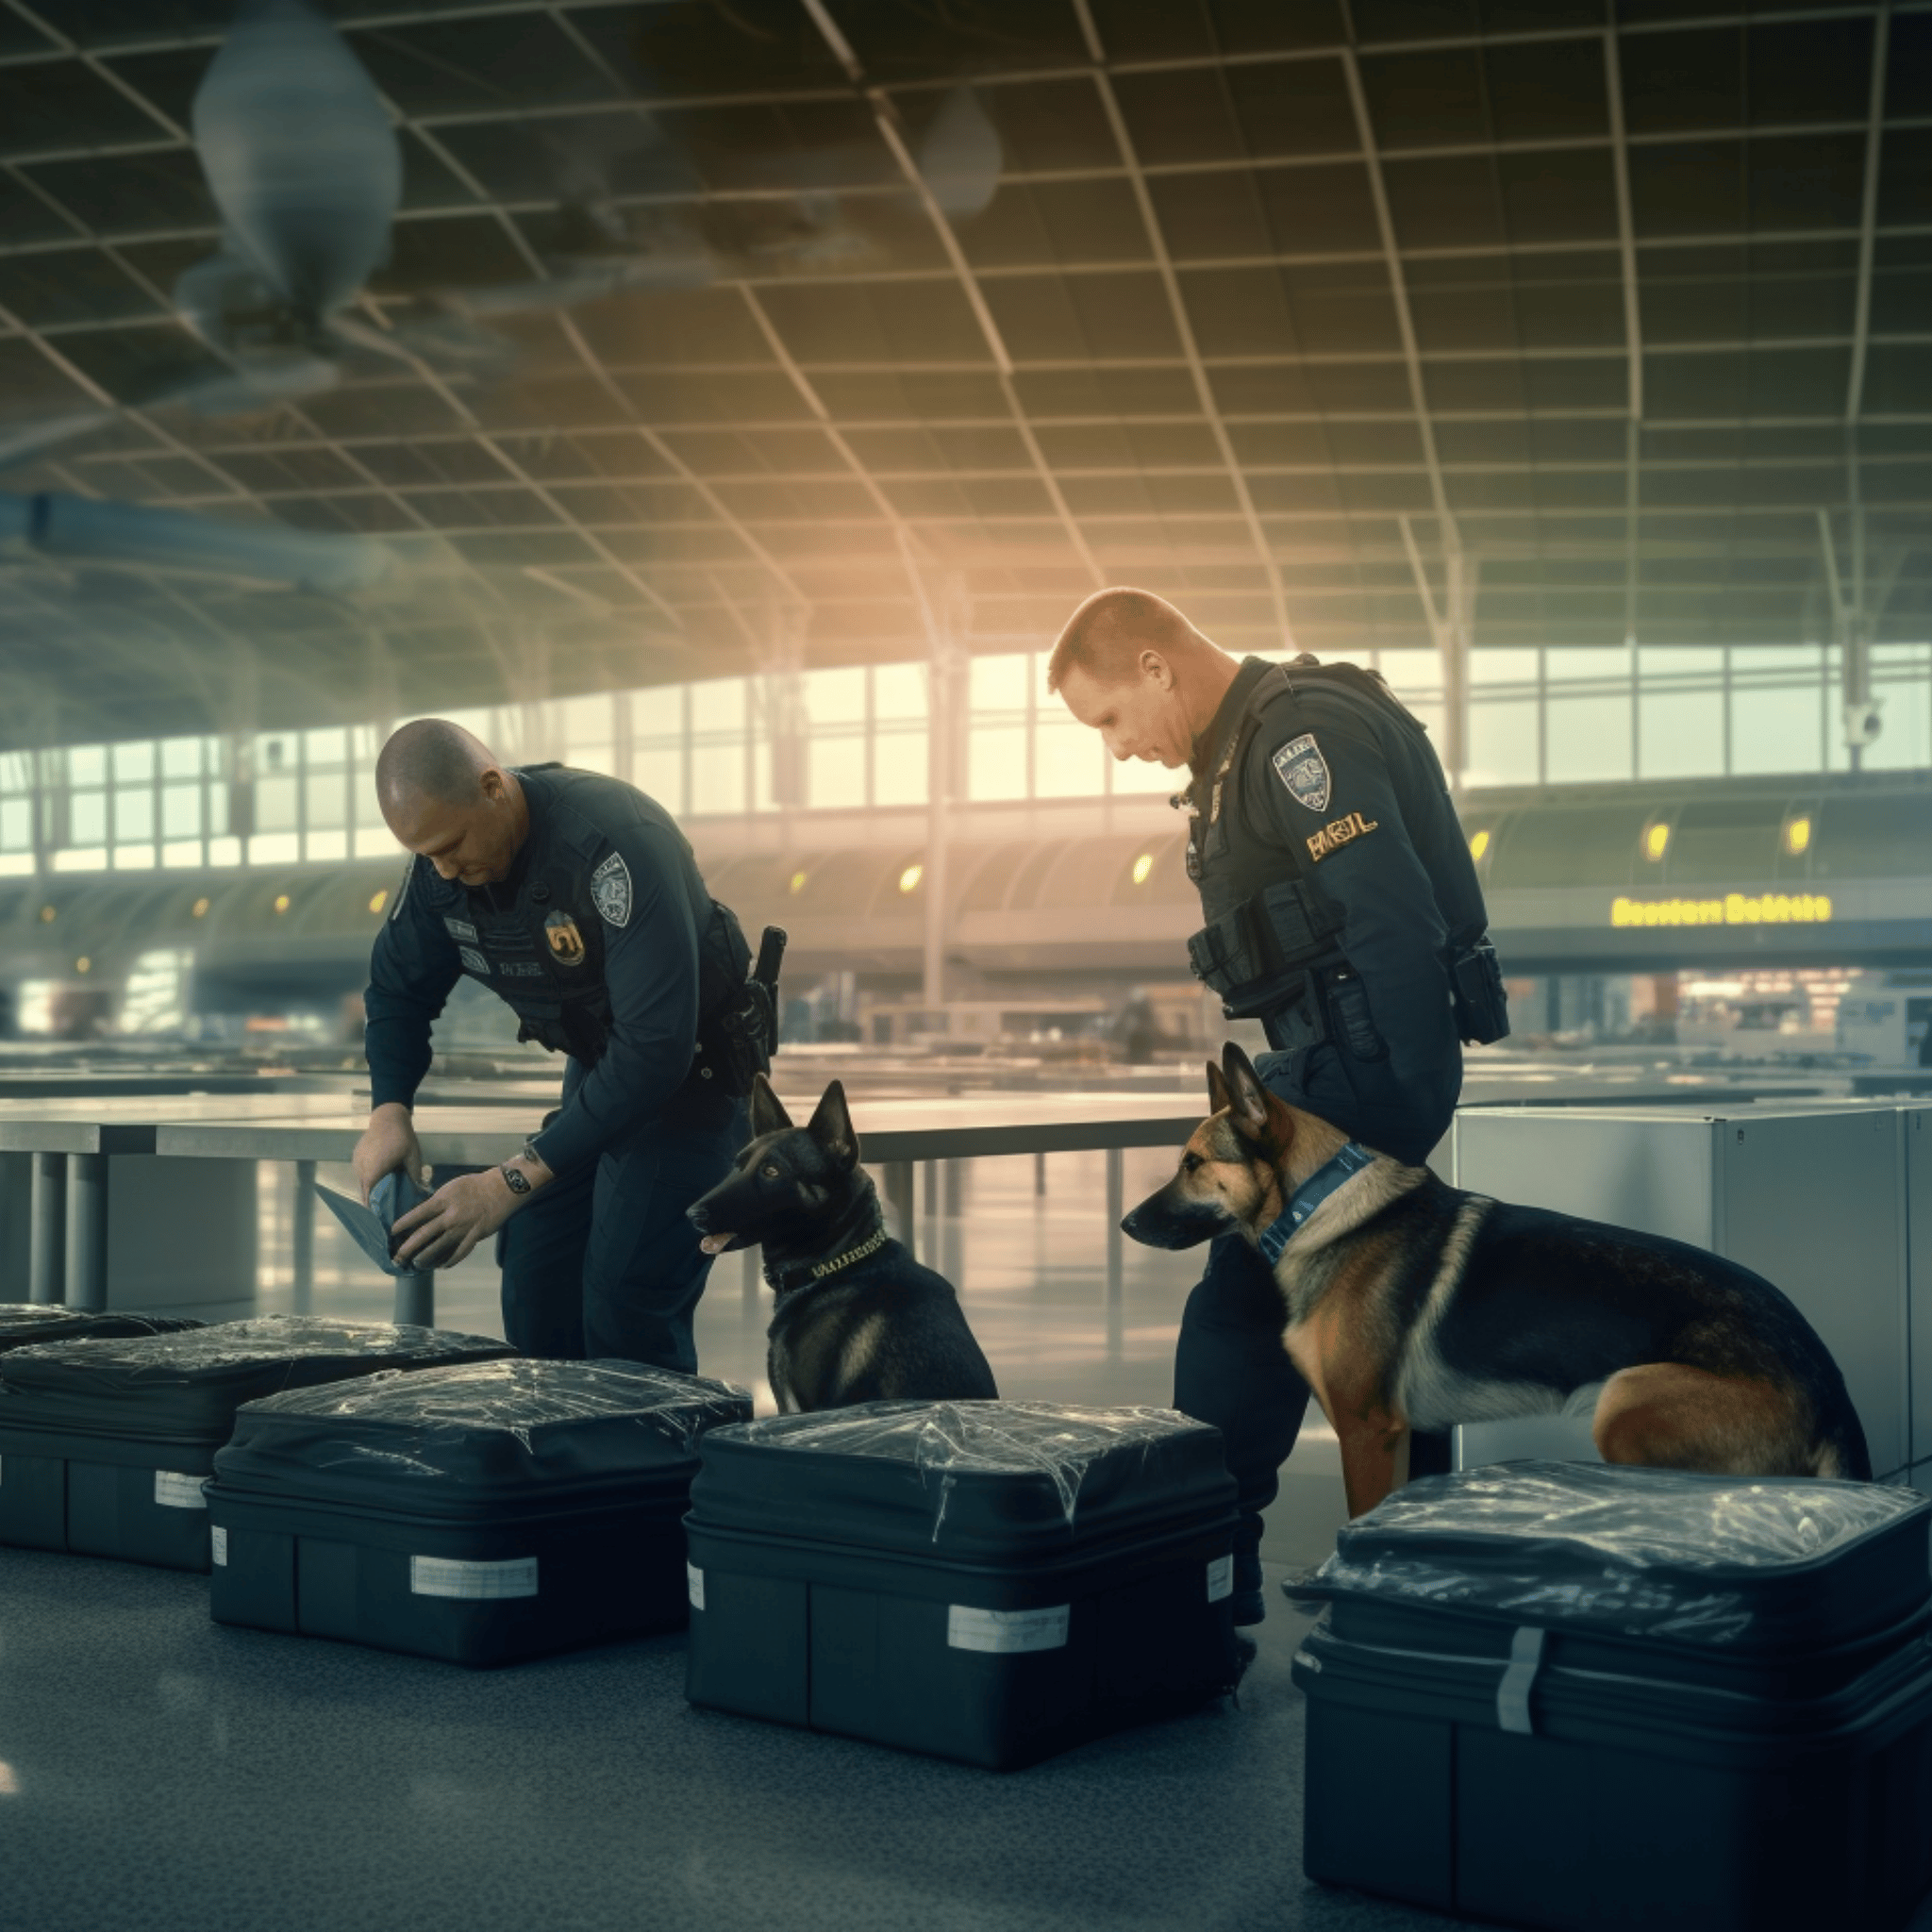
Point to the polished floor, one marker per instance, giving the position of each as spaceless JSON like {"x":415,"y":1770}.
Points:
{"x":161,"y":1773}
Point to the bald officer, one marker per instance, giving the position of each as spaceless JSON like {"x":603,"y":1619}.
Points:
{"x":1340,"y":910}
{"x":575,"y":899}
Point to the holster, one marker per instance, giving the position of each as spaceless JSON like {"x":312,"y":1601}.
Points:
{"x":1475,"y":991}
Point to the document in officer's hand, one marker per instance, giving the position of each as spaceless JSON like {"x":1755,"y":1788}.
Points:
{"x":369,"y":1227}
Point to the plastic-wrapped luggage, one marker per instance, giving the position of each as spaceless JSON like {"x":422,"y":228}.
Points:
{"x":104,"y":1444}
{"x":989,"y":1581}
{"x":1575,"y":1695}
{"x":479,"y":1514}
{"x":24,"y":1324}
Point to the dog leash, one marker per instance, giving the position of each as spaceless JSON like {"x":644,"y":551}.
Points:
{"x":1309,"y":1196}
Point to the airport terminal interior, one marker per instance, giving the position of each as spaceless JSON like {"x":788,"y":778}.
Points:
{"x":736,"y":399}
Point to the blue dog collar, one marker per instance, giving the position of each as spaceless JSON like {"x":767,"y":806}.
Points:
{"x":1309,"y":1196}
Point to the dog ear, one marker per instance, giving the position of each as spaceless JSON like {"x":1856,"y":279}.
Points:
{"x":768,"y":1115}
{"x":1247,"y":1099}
{"x":1217,"y":1090}
{"x":831,"y":1127}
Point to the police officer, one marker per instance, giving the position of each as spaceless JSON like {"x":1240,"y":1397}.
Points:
{"x":1340,"y":910}
{"x":575,"y":899}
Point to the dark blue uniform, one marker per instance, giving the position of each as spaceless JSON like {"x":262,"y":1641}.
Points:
{"x":605,"y":943}
{"x":1342,"y":910}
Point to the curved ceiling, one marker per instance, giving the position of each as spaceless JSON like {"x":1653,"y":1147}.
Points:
{"x":1610,"y":312}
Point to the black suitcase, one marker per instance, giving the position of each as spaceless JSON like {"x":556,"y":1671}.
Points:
{"x":988,"y":1581}
{"x":1579,"y":1696}
{"x":23,"y":1324}
{"x":479,"y":1514}
{"x":104,"y":1444}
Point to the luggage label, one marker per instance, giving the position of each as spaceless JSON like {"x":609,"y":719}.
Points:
{"x":1006,"y":1631}
{"x":473,"y":1582}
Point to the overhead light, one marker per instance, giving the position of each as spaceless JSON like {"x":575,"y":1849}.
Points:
{"x":1797,"y":836}
{"x":378,"y":900}
{"x":798,"y":879}
{"x":199,"y":909}
{"x":1656,"y":840}
{"x":1143,"y":866}
{"x":1478,"y":845}
{"x":83,"y":965}
{"x":910,"y":879}
{"x":281,"y":902}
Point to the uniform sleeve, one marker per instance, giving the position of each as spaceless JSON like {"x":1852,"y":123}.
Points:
{"x":412,"y":969}
{"x":1355,"y":847}
{"x":651,"y":970}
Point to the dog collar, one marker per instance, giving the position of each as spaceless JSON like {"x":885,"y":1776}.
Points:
{"x":1309,"y":1196}
{"x":785,"y":1279}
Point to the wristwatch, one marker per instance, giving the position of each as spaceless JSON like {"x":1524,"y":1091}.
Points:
{"x":516,"y":1182}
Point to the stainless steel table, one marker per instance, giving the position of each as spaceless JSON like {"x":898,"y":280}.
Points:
{"x":894,"y":1135}
{"x":73,"y":1143}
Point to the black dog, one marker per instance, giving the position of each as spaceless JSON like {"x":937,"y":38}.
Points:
{"x":858,"y":1319}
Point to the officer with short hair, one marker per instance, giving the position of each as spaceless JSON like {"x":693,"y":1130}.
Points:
{"x":1342,"y":910}
{"x":576,"y":900}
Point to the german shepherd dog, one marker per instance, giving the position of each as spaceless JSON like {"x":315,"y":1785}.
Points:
{"x":858,"y":1319}
{"x":1410,"y":1304}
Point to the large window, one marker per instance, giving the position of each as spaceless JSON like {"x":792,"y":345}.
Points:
{"x":857,"y":737}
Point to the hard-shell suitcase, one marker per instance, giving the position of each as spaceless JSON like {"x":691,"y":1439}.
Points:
{"x":1579,"y":1696}
{"x":24,"y":1324}
{"x":105,"y":1444}
{"x":479,"y":1514}
{"x":988,"y":1581}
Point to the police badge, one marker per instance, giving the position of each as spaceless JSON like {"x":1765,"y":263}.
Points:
{"x":1300,"y":766}
{"x":610,"y":891}
{"x":566,"y":942}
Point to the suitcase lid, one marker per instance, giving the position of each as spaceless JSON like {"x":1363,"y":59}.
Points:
{"x":187,"y":1386}
{"x":422,"y":1441}
{"x":979,"y":1481}
{"x":24,"y":1322}
{"x":1754,"y":1563}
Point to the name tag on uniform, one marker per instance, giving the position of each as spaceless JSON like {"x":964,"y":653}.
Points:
{"x":519,"y":969}
{"x":1339,"y":832}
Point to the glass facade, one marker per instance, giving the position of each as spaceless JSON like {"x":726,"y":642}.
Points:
{"x":856,"y":738}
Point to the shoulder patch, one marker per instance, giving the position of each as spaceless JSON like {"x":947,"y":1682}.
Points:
{"x":474,"y":961}
{"x":1300,"y":766}
{"x":610,"y":891}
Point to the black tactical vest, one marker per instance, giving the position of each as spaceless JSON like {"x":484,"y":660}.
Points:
{"x":1271,"y":942}
{"x":543,"y":954}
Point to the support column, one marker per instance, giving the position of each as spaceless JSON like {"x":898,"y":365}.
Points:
{"x":416,"y":1298}
{"x":302,"y":1294}
{"x":47,"y":1264}
{"x":898,"y":1178}
{"x":87,"y":1231}
{"x":1040,"y":1177}
{"x":748,"y":1281}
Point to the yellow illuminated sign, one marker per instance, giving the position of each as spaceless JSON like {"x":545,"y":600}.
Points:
{"x":910,"y":879}
{"x":1478,"y":845}
{"x":1797,"y":836}
{"x":1143,"y":866}
{"x":1733,"y":908}
{"x":1656,"y":840}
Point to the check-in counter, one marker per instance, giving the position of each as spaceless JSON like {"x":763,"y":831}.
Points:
{"x":1813,"y":1198}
